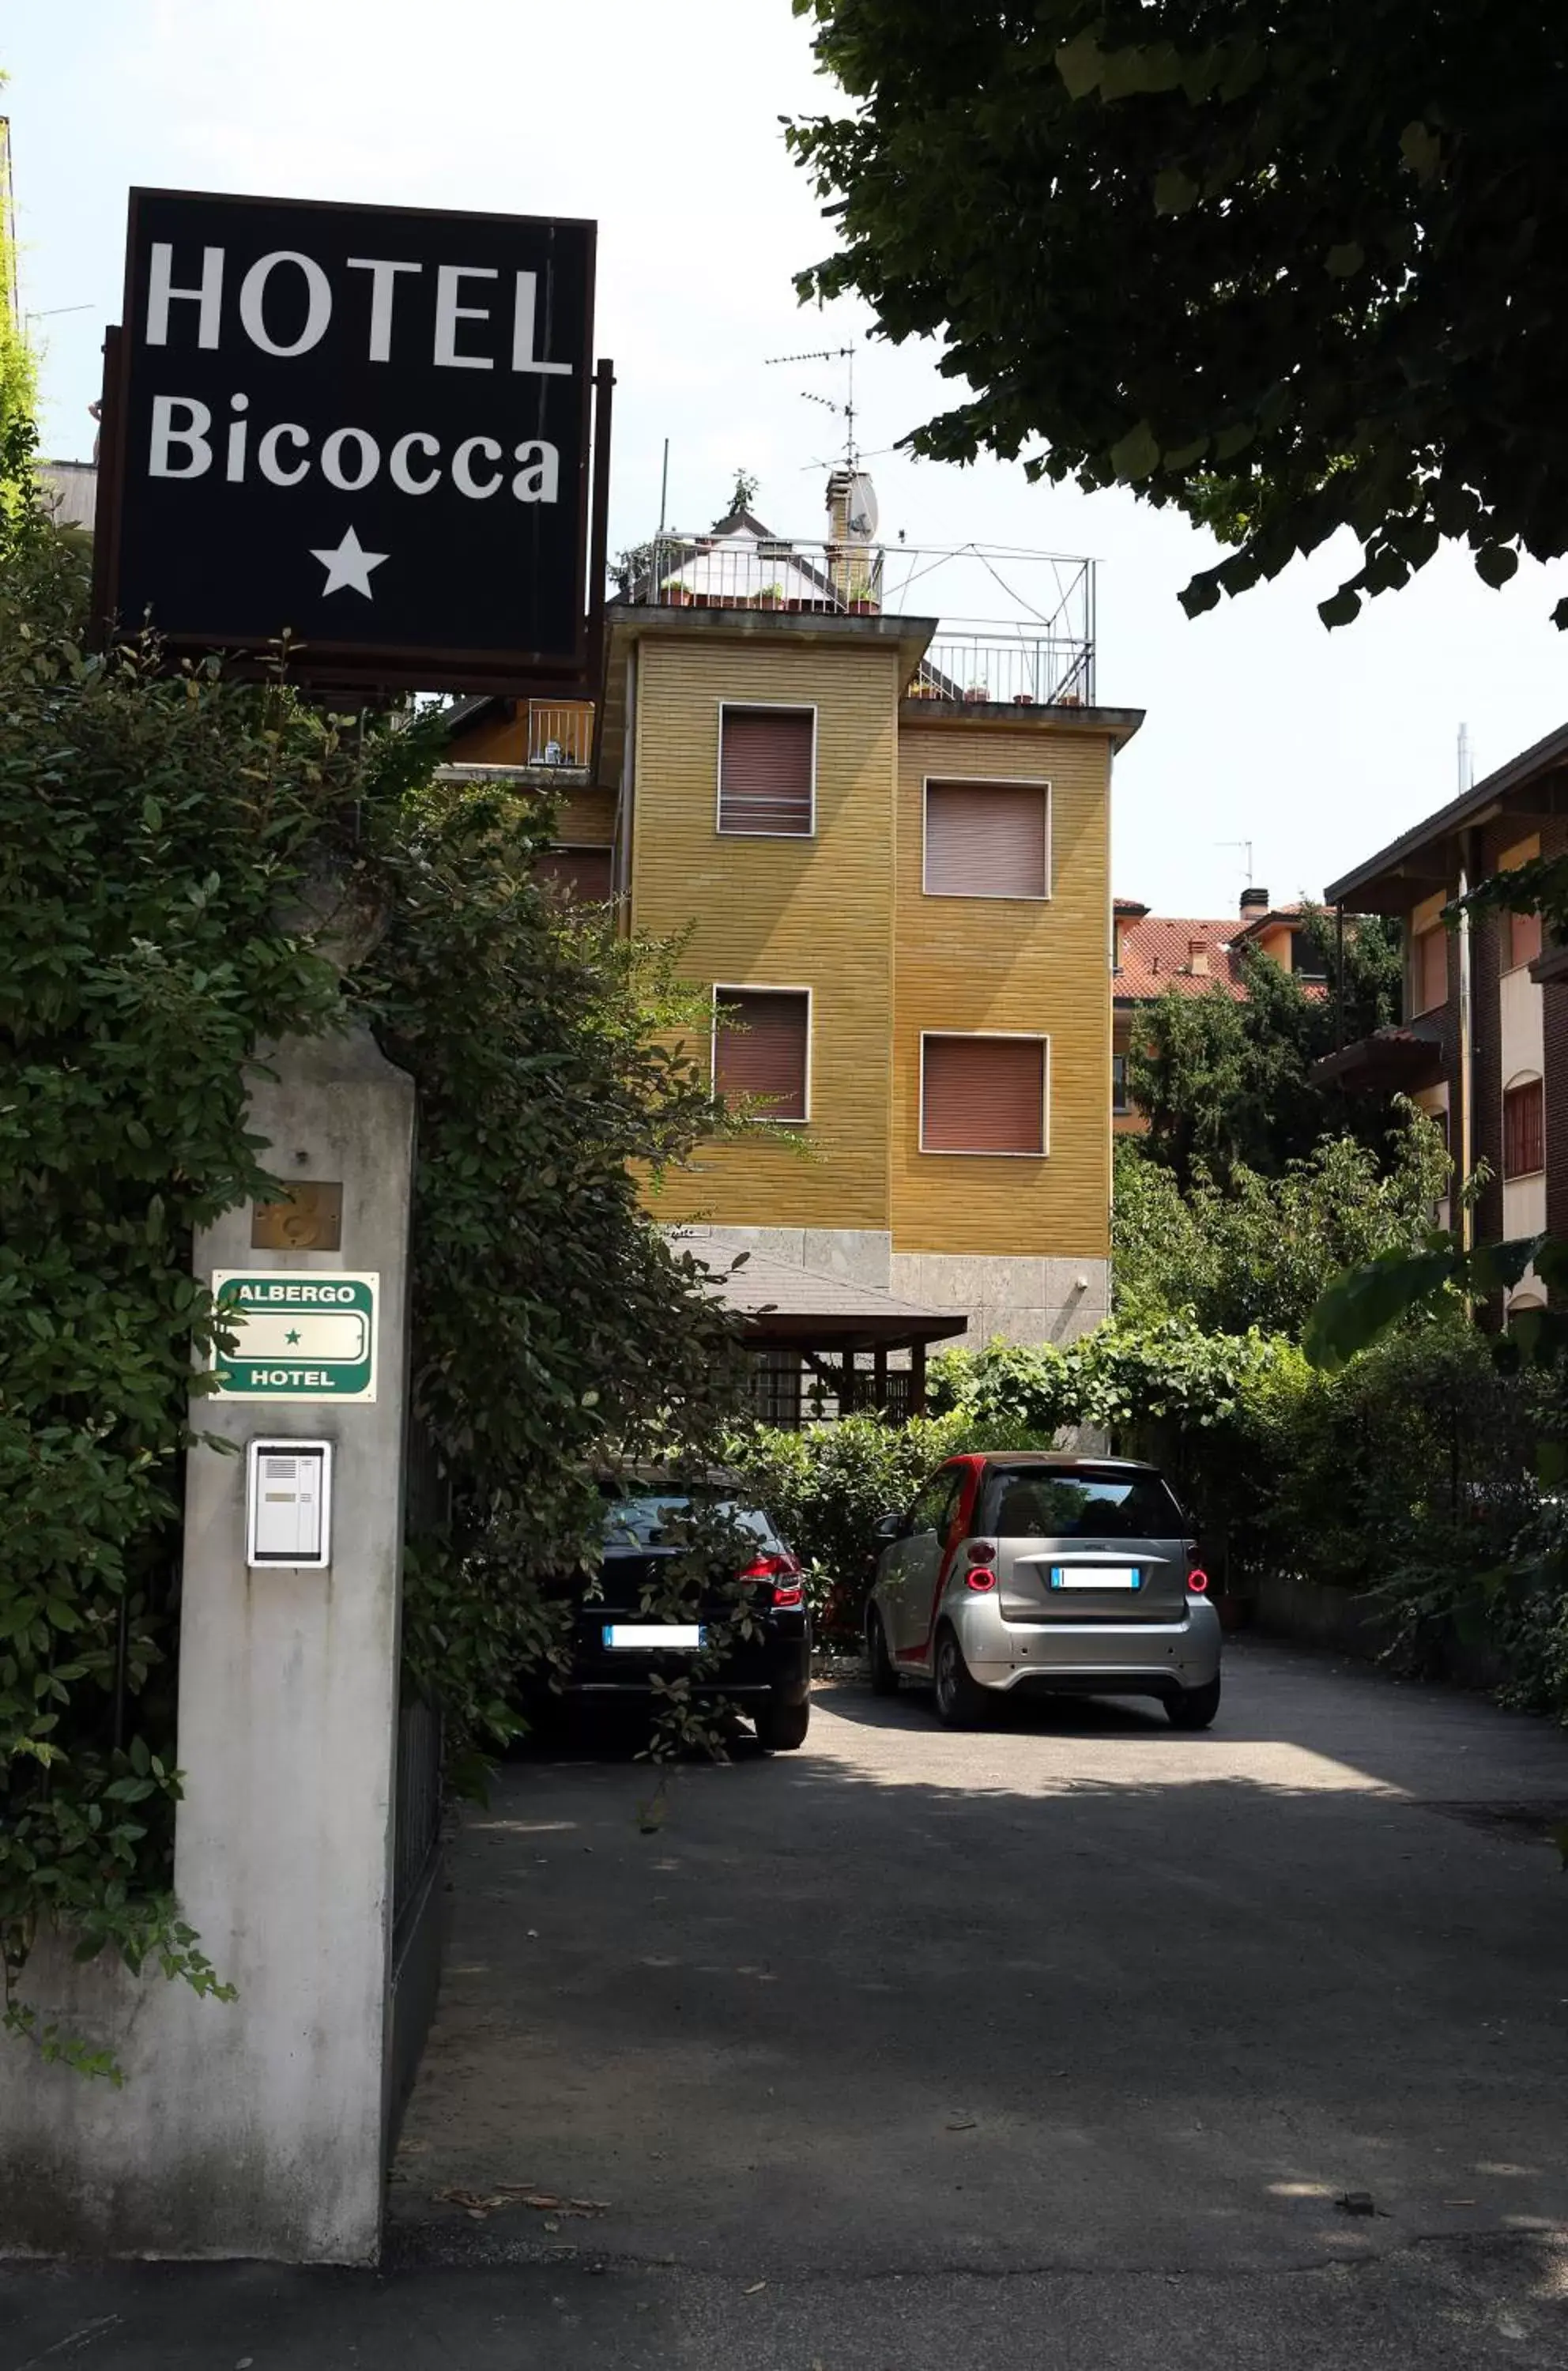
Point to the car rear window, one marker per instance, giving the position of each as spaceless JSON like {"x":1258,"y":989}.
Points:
{"x":645,"y":1523}
{"x":1077,"y":1503}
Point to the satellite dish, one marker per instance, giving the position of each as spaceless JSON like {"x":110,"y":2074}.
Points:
{"x":863,"y":512}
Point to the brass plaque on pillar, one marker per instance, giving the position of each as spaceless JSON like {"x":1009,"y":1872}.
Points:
{"x":309,"y":1218}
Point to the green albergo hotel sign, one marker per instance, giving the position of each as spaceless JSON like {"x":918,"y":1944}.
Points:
{"x":284,"y":1334}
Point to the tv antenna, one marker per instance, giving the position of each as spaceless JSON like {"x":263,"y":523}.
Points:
{"x":846,"y":410}
{"x":1246,"y":846}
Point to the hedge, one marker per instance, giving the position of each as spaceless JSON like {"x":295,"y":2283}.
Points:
{"x":1408,"y":1471}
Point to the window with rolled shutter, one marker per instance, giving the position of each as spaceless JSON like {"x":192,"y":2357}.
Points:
{"x":983,"y":1095}
{"x":582,"y":874}
{"x":1432,"y":969}
{"x":1524,"y":939}
{"x":1523,"y":1136}
{"x":760,"y":1037}
{"x":765,"y":765}
{"x":987,"y":840}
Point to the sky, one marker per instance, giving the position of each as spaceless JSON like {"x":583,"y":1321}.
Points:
{"x":662,"y":124}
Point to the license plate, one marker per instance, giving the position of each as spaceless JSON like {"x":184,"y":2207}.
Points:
{"x":1105,"y":1576}
{"x":684,"y":1636}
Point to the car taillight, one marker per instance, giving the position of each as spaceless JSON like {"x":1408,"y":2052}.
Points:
{"x":979,"y":1577}
{"x":1197,"y":1581}
{"x":784,"y":1573}
{"x":980,"y":1551}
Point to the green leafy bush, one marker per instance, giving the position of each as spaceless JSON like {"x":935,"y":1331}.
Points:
{"x":1259,"y":1250}
{"x":557,"y":1332}
{"x":1407,"y":1472}
{"x":1226,"y":1082}
{"x":825,"y":1488}
{"x":147,"y":826}
{"x":159,"y":837}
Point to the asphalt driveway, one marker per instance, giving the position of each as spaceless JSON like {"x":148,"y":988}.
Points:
{"x":1059,"y":2043}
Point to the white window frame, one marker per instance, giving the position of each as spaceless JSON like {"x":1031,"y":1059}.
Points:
{"x":731,"y":987}
{"x":988,"y":783}
{"x":788,"y":708}
{"x":1017,"y":1038}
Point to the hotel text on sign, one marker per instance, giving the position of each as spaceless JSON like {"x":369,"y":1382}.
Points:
{"x":287,"y":1337}
{"x":365,"y":427}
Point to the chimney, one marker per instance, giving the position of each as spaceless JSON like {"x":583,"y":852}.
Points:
{"x":1197,"y":957}
{"x":853,"y":570}
{"x":838,"y":490}
{"x":1254,"y":902}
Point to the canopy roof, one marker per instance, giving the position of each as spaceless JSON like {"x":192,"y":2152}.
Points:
{"x":799,"y":1307}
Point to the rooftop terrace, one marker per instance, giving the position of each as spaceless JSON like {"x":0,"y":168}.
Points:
{"x":1015,"y":626}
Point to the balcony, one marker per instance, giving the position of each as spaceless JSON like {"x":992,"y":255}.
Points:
{"x":561,"y":733}
{"x":1016,"y":628}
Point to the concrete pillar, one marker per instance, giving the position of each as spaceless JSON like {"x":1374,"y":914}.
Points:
{"x":259,"y":2128}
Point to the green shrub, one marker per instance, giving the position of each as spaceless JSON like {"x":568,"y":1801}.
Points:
{"x":156,"y":831}
{"x":1409,"y":1465}
{"x":1259,"y":1250}
{"x":1406,"y":1472}
{"x":826,"y":1487}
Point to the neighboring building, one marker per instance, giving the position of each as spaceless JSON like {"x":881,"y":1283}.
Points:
{"x":1484,"y":1043}
{"x":889,"y":844}
{"x":1154,"y":953}
{"x":69,"y":491}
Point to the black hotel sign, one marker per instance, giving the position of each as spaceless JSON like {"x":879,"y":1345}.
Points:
{"x":367,"y":427}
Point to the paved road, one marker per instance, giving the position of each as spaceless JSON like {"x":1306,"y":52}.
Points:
{"x":1058,"y":2043}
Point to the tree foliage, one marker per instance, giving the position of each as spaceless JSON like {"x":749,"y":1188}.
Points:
{"x":557,"y":1335}
{"x":1287,"y":268}
{"x":157,"y":832}
{"x":1227,"y":1081}
{"x":1260,"y":1250}
{"x":18,"y":385}
{"x":146,"y":828}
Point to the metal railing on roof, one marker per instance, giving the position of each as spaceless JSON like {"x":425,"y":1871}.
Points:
{"x":986,"y":662}
{"x":1040,"y":652}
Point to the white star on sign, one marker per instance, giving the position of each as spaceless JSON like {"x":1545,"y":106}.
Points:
{"x":349,"y":566}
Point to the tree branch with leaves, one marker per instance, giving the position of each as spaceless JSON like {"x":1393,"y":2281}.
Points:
{"x":1286,"y":268}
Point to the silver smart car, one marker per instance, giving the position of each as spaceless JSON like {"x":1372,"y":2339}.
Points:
{"x":1044,"y":1571}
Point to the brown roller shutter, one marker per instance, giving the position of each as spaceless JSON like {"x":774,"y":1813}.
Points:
{"x":765,"y":771}
{"x":1431,"y":975}
{"x":759,"y":1047}
{"x":1523,"y":1135}
{"x":984,"y":1094}
{"x":987,"y":839}
{"x":1524,"y":939}
{"x":580,"y":873}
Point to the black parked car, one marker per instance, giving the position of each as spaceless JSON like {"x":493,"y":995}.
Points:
{"x":618,"y":1646}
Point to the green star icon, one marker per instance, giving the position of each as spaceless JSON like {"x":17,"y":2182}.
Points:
{"x":292,"y":1335}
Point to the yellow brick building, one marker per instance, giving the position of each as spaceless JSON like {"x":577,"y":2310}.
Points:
{"x":896,"y":885}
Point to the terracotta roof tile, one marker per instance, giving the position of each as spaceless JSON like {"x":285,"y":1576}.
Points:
{"x":1157,"y":953}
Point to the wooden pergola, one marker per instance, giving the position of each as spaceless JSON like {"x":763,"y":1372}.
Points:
{"x":830,"y":1324}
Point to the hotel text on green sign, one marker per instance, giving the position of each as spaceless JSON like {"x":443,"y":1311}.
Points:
{"x":288,"y":1336}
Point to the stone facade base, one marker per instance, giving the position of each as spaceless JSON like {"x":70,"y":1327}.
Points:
{"x":1020,"y":1299}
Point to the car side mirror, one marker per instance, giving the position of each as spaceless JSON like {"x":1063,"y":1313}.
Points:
{"x":890,"y":1527}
